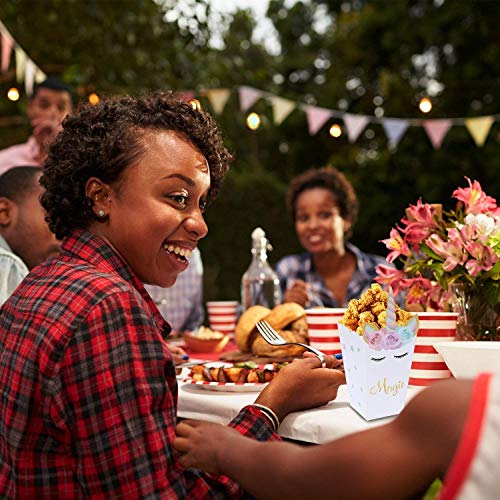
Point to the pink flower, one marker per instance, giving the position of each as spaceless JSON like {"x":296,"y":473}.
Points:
{"x":421,"y":222}
{"x":397,"y":245}
{"x":392,"y":277}
{"x":483,"y":258}
{"x":373,"y":338}
{"x":476,"y":201}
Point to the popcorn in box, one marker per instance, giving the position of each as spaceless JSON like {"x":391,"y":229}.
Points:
{"x":377,"y":340}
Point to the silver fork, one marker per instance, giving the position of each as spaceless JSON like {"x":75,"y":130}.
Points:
{"x":271,"y":336}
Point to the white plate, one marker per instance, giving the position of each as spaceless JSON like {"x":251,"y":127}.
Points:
{"x":226,"y":386}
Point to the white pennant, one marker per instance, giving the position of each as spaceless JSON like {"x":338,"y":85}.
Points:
{"x":20,"y":63}
{"x":29,"y":76}
{"x":281,"y":108}
{"x":218,"y":99}
{"x":394,"y":129}
{"x":248,"y":96}
{"x":355,"y":124}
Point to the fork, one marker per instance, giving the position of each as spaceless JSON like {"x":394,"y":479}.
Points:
{"x":271,"y":336}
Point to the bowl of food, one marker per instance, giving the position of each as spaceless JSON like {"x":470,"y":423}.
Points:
{"x":466,"y":359}
{"x":205,"y":339}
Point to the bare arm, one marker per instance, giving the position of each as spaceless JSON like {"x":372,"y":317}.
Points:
{"x":396,"y":460}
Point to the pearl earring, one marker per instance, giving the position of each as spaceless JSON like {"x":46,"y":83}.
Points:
{"x":101,"y":213}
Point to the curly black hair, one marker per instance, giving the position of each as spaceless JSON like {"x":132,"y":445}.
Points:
{"x":328,"y":178}
{"x":103,"y":140}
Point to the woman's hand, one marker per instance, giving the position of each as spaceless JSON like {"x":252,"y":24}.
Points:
{"x":178,"y":353}
{"x":302,"y":385}
{"x":298,"y":292}
{"x":201,"y":443}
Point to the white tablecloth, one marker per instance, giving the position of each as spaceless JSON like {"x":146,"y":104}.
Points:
{"x":335,"y":420}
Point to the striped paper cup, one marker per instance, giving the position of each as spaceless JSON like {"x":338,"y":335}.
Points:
{"x":222,"y":315}
{"x":428,"y":365}
{"x":322,"y":323}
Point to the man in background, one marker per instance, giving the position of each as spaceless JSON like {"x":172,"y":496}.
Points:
{"x":25,"y":237}
{"x":50,"y":103}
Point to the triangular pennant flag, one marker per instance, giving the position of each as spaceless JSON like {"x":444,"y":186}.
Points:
{"x":20,"y":63}
{"x":7,"y":43}
{"x":40,"y":76}
{"x":248,"y":96}
{"x":218,"y":99}
{"x":394,"y":129}
{"x":316,"y":118}
{"x":479,"y":128}
{"x":29,"y":76}
{"x":355,"y":124}
{"x":281,"y":108}
{"x":436,"y":130}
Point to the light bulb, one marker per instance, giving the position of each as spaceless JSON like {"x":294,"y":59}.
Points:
{"x":425,"y":105}
{"x":253,"y":121}
{"x":13,"y":94}
{"x":335,"y":130}
{"x":93,"y":99}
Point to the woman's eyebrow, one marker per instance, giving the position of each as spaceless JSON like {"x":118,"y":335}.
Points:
{"x":187,"y":180}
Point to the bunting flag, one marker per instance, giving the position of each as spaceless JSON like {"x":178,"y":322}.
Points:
{"x":26,"y":69}
{"x":20,"y":63}
{"x":479,"y":128}
{"x":7,"y":44}
{"x":29,"y":76}
{"x":394,"y":129}
{"x":249,"y":96}
{"x":281,"y":108}
{"x":436,"y":130}
{"x":218,"y":99}
{"x":316,"y":118}
{"x":355,"y":124}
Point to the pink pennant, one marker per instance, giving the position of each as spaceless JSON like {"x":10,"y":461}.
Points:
{"x":316,"y":118}
{"x":354,"y":124}
{"x":7,"y":43}
{"x":248,"y":96}
{"x":436,"y":130}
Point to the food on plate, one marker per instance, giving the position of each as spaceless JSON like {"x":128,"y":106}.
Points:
{"x":288,"y":319}
{"x":239,"y":373}
{"x":371,"y":309}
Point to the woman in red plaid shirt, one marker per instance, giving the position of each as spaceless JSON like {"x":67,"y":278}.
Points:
{"x":89,"y":394}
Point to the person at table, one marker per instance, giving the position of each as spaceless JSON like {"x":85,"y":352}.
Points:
{"x":182,"y":304}
{"x":50,"y":103}
{"x":89,"y":392}
{"x":25,"y":238}
{"x":451,"y":430}
{"x":323,"y":206}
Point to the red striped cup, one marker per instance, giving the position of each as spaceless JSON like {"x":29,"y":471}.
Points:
{"x":322,"y":323}
{"x":428,"y":365}
{"x":222,"y":315}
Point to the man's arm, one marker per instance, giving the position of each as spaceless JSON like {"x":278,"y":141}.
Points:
{"x":396,"y":460}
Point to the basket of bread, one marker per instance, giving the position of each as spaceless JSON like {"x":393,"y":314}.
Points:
{"x":288,"y":319}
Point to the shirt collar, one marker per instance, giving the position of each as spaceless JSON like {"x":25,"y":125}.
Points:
{"x":4,"y":244}
{"x":89,"y":247}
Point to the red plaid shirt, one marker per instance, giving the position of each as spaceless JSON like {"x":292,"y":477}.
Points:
{"x":89,"y":394}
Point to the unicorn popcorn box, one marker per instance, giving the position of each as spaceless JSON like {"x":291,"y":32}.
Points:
{"x":377,"y":340}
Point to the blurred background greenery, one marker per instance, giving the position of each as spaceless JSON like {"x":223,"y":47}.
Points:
{"x":359,"y":56}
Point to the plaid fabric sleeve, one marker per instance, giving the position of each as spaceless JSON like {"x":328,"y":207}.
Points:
{"x":118,"y":385}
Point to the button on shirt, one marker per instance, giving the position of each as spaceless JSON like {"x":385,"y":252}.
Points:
{"x":182,"y":304}
{"x":300,"y":266}
{"x":89,"y":394}
{"x":12,"y":271}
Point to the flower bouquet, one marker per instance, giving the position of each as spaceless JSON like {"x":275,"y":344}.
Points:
{"x":450,"y":258}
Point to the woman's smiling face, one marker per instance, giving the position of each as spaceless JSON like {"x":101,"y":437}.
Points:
{"x":155,"y":211}
{"x":318,"y":223}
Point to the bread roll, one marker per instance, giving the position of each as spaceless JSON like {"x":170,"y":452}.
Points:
{"x":261,"y":348}
{"x":245,"y":329}
{"x":285,"y":314}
